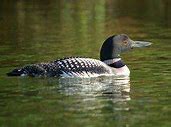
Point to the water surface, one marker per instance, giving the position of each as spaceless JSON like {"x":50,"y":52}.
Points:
{"x":35,"y":31}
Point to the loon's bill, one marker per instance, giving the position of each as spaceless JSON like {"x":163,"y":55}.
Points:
{"x":109,"y":64}
{"x":140,"y":44}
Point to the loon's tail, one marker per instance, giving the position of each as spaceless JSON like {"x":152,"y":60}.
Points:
{"x":29,"y":70}
{"x":16,"y":72}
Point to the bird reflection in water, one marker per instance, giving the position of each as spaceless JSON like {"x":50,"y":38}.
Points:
{"x":94,"y":94}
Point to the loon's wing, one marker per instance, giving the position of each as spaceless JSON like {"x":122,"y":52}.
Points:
{"x":82,"y":67}
{"x":67,"y":67}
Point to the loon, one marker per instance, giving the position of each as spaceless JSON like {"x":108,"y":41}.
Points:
{"x":110,"y":62}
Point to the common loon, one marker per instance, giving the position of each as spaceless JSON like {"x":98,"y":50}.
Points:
{"x":110,"y":62}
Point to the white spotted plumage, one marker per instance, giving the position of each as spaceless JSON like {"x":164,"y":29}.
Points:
{"x":82,"y":67}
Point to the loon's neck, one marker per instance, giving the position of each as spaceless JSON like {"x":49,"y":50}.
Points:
{"x":118,"y":66}
{"x":116,"y":63}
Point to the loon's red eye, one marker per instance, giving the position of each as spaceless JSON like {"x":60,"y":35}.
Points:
{"x":125,"y":42}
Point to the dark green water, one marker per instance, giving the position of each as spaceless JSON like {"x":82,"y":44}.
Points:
{"x":34,"y":31}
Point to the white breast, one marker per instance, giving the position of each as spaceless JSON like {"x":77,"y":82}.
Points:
{"x":123,"y":71}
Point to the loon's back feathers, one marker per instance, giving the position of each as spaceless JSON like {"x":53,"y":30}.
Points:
{"x":66,"y":67}
{"x":82,"y":67}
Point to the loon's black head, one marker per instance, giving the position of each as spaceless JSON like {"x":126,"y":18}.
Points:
{"x":116,"y":44}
